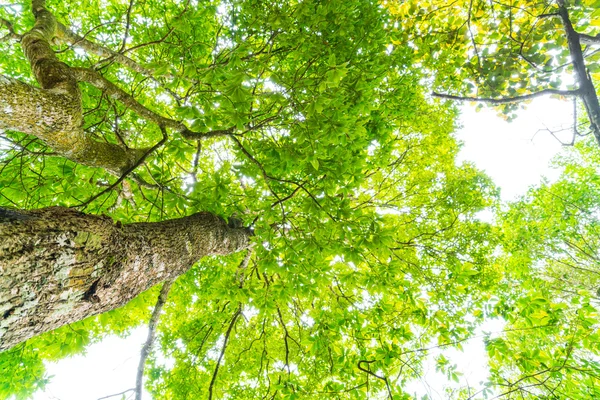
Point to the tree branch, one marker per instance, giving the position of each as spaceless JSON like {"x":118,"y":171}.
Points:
{"x":588,"y":39}
{"x":11,"y":32}
{"x":383,"y":378}
{"x":266,"y":176}
{"x":191,"y":135}
{"x":222,"y":353}
{"x":162,"y":298}
{"x":586,"y":86}
{"x":127,"y":25}
{"x":508,"y":100}
{"x":140,"y":160}
{"x":115,"y":394}
{"x":95,"y":79}
{"x":70,"y":37}
{"x":53,"y":112}
{"x":241,"y":270}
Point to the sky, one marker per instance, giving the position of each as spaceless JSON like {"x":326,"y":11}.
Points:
{"x":516,"y":155}
{"x":108,"y":367}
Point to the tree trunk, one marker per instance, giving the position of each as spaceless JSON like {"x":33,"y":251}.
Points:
{"x":53,"y":113}
{"x":58,"y":266}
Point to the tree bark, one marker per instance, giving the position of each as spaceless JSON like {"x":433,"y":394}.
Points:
{"x":53,"y":112}
{"x":58,"y":266}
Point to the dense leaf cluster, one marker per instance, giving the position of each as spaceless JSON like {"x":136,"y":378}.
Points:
{"x":309,"y":121}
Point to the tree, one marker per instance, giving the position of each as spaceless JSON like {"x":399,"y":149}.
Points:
{"x":68,"y":266}
{"x":503,"y":53}
{"x":550,"y":348}
{"x":301,"y":121}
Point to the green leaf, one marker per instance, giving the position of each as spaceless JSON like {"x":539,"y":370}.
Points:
{"x":315,"y":164}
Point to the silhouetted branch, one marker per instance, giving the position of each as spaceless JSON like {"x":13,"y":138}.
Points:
{"x":508,"y":100}
{"x":383,"y":378}
{"x":222,"y":353}
{"x":116,"y":394}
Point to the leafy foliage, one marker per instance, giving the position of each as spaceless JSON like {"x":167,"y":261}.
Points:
{"x":311,"y":126}
{"x":550,"y":348}
{"x":479,"y":49}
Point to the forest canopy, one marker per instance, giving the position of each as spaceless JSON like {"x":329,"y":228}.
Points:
{"x":302,"y":138}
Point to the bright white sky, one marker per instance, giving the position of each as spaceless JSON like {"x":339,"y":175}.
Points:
{"x":516,"y":154}
{"x":513,"y":154}
{"x":108,"y":367}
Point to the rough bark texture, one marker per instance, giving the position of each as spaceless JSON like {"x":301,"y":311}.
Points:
{"x":53,"y":113}
{"x":59,"y":266}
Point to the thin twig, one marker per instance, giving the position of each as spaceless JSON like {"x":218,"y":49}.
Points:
{"x":11,"y":32}
{"x":116,"y":394}
{"x":222,"y":353}
{"x":127,"y":25}
{"x":128,"y":171}
{"x":383,"y":378}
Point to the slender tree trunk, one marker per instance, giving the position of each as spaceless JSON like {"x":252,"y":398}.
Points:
{"x":58,"y":266}
{"x":586,"y":86}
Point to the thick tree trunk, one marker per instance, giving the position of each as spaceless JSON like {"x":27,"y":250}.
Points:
{"x":59,"y":266}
